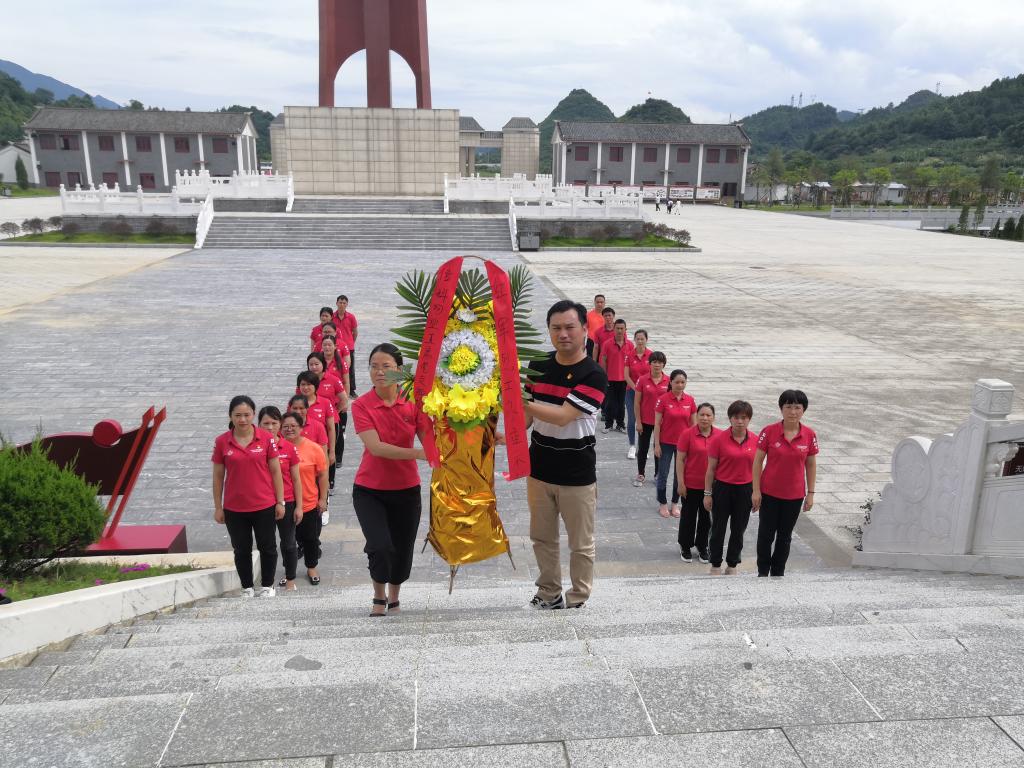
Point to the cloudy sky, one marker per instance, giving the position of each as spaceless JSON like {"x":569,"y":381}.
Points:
{"x":493,"y":60}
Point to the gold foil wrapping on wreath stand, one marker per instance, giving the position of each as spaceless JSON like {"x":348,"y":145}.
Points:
{"x":464,"y":523}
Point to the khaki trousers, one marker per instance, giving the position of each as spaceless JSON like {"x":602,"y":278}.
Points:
{"x":576,"y":505}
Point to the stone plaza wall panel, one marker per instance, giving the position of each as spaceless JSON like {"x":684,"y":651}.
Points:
{"x":358,"y":151}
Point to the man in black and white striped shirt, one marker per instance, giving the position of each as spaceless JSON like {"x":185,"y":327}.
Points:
{"x":567,"y":397}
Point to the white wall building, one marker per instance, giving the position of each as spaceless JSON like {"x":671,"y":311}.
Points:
{"x":9,"y":157}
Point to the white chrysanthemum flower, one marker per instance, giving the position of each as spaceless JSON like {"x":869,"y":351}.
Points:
{"x":474,"y":341}
{"x":466,"y":315}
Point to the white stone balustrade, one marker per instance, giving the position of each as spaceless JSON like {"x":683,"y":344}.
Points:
{"x":247,"y":185}
{"x":618,"y":208}
{"x":204,"y":221}
{"x":498,"y":187}
{"x":949,"y":507}
{"x":103,"y":200}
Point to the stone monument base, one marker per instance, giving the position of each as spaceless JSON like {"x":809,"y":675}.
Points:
{"x":360,"y":151}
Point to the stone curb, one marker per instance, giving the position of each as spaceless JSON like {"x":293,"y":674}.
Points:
{"x":179,"y":246}
{"x":624,"y":250}
{"x":34,"y":625}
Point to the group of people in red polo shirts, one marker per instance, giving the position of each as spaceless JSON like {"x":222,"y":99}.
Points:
{"x":720,"y":476}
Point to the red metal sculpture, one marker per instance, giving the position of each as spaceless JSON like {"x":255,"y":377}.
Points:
{"x":112,"y":459}
{"x":379,"y":26}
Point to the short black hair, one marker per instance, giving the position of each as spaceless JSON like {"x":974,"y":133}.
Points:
{"x":299,"y":399}
{"x":328,"y":310}
{"x":638,"y":331}
{"x":238,"y":400}
{"x":387,"y":349}
{"x":340,"y":297}
{"x":741,"y":408}
{"x":706,"y":405}
{"x":271,"y":411}
{"x":309,"y":377}
{"x":330,"y":325}
{"x":598,"y":296}
{"x":793,"y":397}
{"x":292,"y":415}
{"x":606,"y":310}
{"x":319,"y":356}
{"x":620,"y":322}
{"x":566,"y":305}
{"x":657,"y":357}
{"x":677,"y":372}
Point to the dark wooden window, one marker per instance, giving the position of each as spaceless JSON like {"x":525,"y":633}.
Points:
{"x":106,"y":143}
{"x":69,"y":142}
{"x":147,"y":181}
{"x":52,"y":178}
{"x":110,"y":180}
{"x":143,"y":144}
{"x":729,"y":189}
{"x":649,"y":183}
{"x":732,"y":156}
{"x":74,"y":179}
{"x":582,"y":153}
{"x":181,"y":144}
{"x":220,"y":145}
{"x":650,"y":154}
{"x":615,"y":154}
{"x":47,"y":141}
{"x":580,"y":183}
{"x":714,"y":156}
{"x":682,"y":154}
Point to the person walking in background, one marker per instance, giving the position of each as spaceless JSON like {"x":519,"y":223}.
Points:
{"x":649,"y":388}
{"x":613,"y":360}
{"x":637,"y":365}
{"x":673,"y":413}
{"x":785,"y":484}
{"x":728,"y":486}
{"x":317,"y":334}
{"x":567,"y":396}
{"x":248,"y":493}
{"x":348,"y":331}
{"x":605,"y":332}
{"x":691,"y":470}
{"x":313,"y":482}
{"x":595,"y":321}
{"x":386,"y":493}
{"x":288,"y":457}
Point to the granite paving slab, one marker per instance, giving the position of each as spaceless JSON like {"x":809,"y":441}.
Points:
{"x":515,"y":706}
{"x":1014,"y":728}
{"x":736,"y":749}
{"x":293,"y":722}
{"x":25,"y":677}
{"x":1010,"y":630}
{"x":745,"y":695}
{"x":128,"y":732}
{"x":298,"y":762}
{"x":910,"y":687}
{"x":546,"y":755}
{"x":113,"y":689}
{"x":965,"y":743}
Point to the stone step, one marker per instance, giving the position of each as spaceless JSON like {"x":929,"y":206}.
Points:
{"x":366,"y":205}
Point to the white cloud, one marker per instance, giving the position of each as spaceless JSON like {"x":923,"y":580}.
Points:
{"x":494,"y":59}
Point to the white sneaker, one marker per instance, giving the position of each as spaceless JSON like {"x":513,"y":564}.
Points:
{"x":631,"y":453}
{"x":325,"y":518}
{"x":605,"y":430}
{"x":267,"y":592}
{"x":248,"y":592}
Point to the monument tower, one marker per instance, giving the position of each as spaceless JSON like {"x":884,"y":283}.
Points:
{"x":379,"y":27}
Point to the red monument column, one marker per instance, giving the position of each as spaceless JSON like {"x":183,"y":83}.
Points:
{"x":379,"y":26}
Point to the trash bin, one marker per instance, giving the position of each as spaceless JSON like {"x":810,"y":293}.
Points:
{"x":529,"y":241}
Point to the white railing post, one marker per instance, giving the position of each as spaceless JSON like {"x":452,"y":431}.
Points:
{"x":446,"y":193}
{"x":204,"y":221}
{"x":512,"y":225}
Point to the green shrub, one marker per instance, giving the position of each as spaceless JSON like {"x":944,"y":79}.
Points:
{"x":35,"y":226}
{"x":155,"y":227}
{"x":9,"y":228}
{"x":45,"y":512}
{"x":55,"y":222}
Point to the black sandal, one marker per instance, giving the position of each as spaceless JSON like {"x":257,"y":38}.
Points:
{"x":393,"y":605}
{"x":378,"y":601}
{"x":314,"y":580}
{"x":282,"y":583}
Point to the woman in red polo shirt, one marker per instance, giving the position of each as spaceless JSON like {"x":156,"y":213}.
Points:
{"x":313,"y":482}
{"x":649,"y":388}
{"x":317,"y":334}
{"x":673,"y":413}
{"x":785,"y":484}
{"x":691,"y":467}
{"x":312,"y":429}
{"x":331,"y":389}
{"x":727,"y":485}
{"x":637,"y":365}
{"x":248,"y":493}
{"x":338,"y":357}
{"x":386,"y":492}
{"x":270,"y":420}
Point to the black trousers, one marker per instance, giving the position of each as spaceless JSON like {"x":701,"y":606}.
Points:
{"x":352,"y":374}
{"x":308,"y":535}
{"x":389,"y":520}
{"x":695,"y":522}
{"x":616,"y":399}
{"x":242,"y":526}
{"x":286,"y":533}
{"x":339,"y":448}
{"x":643,"y":445}
{"x":731,"y":509}
{"x":778,"y":518}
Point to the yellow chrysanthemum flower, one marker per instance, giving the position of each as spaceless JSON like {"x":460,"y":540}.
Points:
{"x":436,"y":402}
{"x":463,"y":360}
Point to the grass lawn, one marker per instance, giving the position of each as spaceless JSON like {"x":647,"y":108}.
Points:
{"x":100,"y":237}
{"x":65,"y":577}
{"x":650,"y":241}
{"x":779,"y":208}
{"x":17,"y":191}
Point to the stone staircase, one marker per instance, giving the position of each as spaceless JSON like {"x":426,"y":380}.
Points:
{"x":368,"y":205}
{"x":851,"y":668}
{"x":421,"y":233}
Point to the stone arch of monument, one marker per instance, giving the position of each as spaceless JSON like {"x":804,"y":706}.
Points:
{"x":378,"y":27}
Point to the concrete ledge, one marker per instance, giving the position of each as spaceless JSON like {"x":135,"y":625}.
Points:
{"x":14,"y":243}
{"x":598,"y":249}
{"x":995,"y":565}
{"x":30,"y":626}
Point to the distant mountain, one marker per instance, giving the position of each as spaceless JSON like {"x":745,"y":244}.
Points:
{"x":845,"y":115}
{"x":578,"y":105}
{"x":788,"y":127}
{"x":917,"y":100}
{"x":655,"y":111}
{"x":30,"y":81}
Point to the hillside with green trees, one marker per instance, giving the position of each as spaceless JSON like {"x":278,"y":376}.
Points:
{"x":654,"y":111}
{"x":578,"y":105}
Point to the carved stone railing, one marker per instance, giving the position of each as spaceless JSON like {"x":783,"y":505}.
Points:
{"x":955,"y":503}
